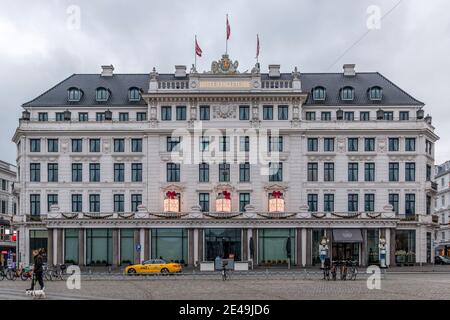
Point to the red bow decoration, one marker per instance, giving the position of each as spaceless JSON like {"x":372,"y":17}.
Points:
{"x":226,"y":195}
{"x":277,"y":194}
{"x":171,"y":194}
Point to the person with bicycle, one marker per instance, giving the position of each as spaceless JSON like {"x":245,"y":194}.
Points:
{"x":37,"y":270}
{"x":224,"y":270}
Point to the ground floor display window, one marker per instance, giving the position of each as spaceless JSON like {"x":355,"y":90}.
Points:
{"x":405,"y":246}
{"x":276,"y":246}
{"x":317,"y":235}
{"x":170,"y":245}
{"x":126,"y":246}
{"x":373,"y":242}
{"x":39,"y":241}
{"x":223,"y":243}
{"x":71,"y":246}
{"x":99,"y":246}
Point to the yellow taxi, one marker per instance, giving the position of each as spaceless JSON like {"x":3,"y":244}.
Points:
{"x":154,"y":266}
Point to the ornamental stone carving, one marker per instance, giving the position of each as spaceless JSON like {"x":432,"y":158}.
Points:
{"x":224,"y":112}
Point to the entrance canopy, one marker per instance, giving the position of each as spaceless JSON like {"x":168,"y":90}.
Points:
{"x":347,"y":235}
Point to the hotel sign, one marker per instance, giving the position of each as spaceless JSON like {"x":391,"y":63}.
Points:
{"x":225,"y":84}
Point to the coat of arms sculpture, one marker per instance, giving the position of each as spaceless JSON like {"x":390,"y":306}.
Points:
{"x":224,"y":66}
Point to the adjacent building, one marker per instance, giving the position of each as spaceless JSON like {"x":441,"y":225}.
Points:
{"x":442,"y":209}
{"x":121,"y":168}
{"x":8,"y":208}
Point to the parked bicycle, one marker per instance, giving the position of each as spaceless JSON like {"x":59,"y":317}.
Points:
{"x":343,"y":270}
{"x":224,"y":271}
{"x":327,"y":269}
{"x":26,"y":273}
{"x":12,"y":273}
{"x":58,"y":271}
{"x":48,"y":273}
{"x":333,"y":270}
{"x":352,"y":270}
{"x":2,"y":273}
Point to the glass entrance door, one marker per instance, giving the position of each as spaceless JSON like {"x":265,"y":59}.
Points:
{"x":223,"y":243}
{"x":346,"y":251}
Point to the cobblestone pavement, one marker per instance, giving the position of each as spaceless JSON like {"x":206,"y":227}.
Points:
{"x":394,"y":286}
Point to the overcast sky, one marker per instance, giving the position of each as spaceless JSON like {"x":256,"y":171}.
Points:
{"x":40,"y":44}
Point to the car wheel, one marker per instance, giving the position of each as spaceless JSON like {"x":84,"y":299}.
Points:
{"x":164,"y":271}
{"x":131,"y":271}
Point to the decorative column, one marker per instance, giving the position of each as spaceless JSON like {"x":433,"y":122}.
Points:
{"x":200,"y":245}
{"x":147,"y":244}
{"x":303,"y":243}
{"x":55,"y":245}
{"x":143,"y":244}
{"x":244,"y":245}
{"x":298,"y":254}
{"x":191,"y":250}
{"x":388,"y":246}
{"x":308,"y":247}
{"x":195,"y":247}
{"x":364,"y":257}
{"x":81,"y":248}
{"x":115,"y":247}
{"x":50,"y":260}
{"x":392,"y":248}
{"x":137,"y":255}
{"x":59,"y":247}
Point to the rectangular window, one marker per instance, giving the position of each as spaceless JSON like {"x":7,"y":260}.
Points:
{"x":328,"y":171}
{"x":275,"y":144}
{"x":283,"y":112}
{"x":393,"y":144}
{"x":83,"y":116}
{"x":325,"y":116}
{"x":52,"y":172}
{"x":141,"y":116}
{"x":404,"y":115}
{"x":94,"y":172}
{"x":42,"y":116}
{"x":51,"y":200}
{"x":204,"y":144}
{"x":204,"y":113}
{"x":369,"y":202}
{"x":349,"y":116}
{"x":35,"y":172}
{"x":328,"y":202}
{"x":94,"y":203}
{"x":136,"y":172}
{"x":369,"y":144}
{"x":410,"y":171}
{"x":181,"y":113}
{"x":388,"y":115}
{"x":173,"y":144}
{"x":59,"y":116}
{"x":369,"y":172}
{"x":353,"y":171}
{"x":166,"y":113}
{"x":410,"y":204}
{"x":35,"y":145}
{"x":364,"y":116}
{"x":173,"y":172}
{"x":244,"y":199}
{"x":428,"y":169}
{"x":94,"y":145}
{"x":328,"y":144}
{"x":244,"y":144}
{"x":136,"y":201}
{"x":224,"y":144}
{"x":119,"y":203}
{"x":393,"y":171}
{"x":100,"y":116}
{"x":77,"y":172}
{"x":119,"y":145}
{"x":136,"y":145}
{"x":352,"y":144}
{"x":410,"y":144}
{"x":393,"y":201}
{"x":244,"y":172}
{"x":313,"y":169}
{"x":52,"y":145}
{"x":312,"y":202}
{"x":203,"y":172}
{"x":77,"y":145}
{"x":35,"y":204}
{"x":119,"y":172}
{"x":267,"y":112}
{"x":310,"y":116}
{"x":124,"y":116}
{"x":428,"y":204}
{"x":224,"y":172}
{"x":275,"y":171}
{"x":203,"y":201}
{"x":244,"y":113}
{"x":353,"y":202}
{"x":77,"y":203}
{"x":313,"y":144}
{"x":428,"y":147}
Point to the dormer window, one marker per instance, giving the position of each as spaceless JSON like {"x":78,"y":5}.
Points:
{"x":319,"y":93}
{"x":134,"y":94}
{"x":102,"y":94}
{"x":347,"y":94}
{"x":74,"y":94}
{"x":375,"y":93}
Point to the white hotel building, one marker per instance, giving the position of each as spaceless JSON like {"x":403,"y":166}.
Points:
{"x":442,"y":208}
{"x":99,"y":183}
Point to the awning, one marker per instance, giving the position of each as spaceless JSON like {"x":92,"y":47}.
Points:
{"x":347,"y":235}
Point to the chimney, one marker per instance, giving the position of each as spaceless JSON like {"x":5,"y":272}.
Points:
{"x":349,"y":70}
{"x":180,"y":71}
{"x":107,"y":71}
{"x":274,"y":70}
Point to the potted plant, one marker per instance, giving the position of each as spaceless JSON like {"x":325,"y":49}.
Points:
{"x":400,"y":256}
{"x":284,"y":261}
{"x":410,"y":257}
{"x":279,"y":262}
{"x":269,"y":262}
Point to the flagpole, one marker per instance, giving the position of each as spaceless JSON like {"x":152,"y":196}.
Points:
{"x":226,"y":36}
{"x":257,"y":48}
{"x":195,"y":53}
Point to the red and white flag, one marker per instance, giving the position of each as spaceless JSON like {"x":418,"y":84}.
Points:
{"x":228,"y":29}
{"x":257,"y":46}
{"x":198,"y":50}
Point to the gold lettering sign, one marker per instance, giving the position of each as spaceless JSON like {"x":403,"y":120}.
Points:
{"x":224,"y":84}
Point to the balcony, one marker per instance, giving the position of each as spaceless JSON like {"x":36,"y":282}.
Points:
{"x":408,"y":217}
{"x":431,"y":186}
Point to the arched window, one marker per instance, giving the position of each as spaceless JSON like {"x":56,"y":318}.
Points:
{"x":74,"y":94}
{"x":375,"y":93}
{"x":319,"y":93}
{"x":102,"y":94}
{"x":134,"y":94}
{"x":347,"y":93}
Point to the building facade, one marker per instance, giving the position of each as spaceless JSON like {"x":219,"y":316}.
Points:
{"x":442,"y":208}
{"x":8,"y":208}
{"x":120,"y":168}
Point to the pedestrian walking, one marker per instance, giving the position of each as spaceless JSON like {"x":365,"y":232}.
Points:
{"x":38,"y":270}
